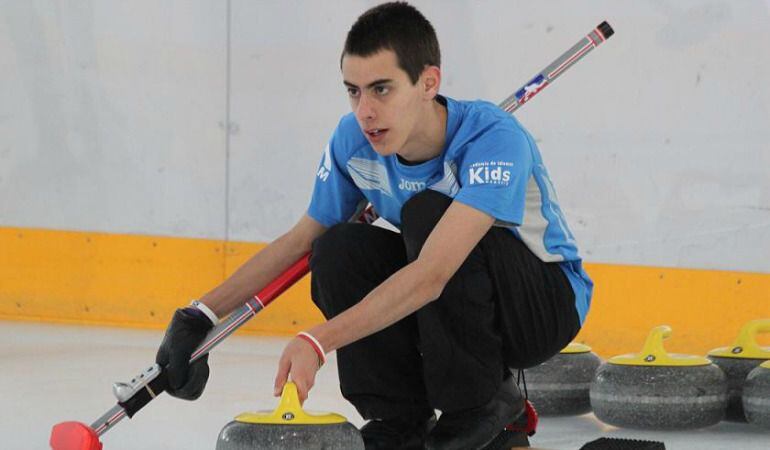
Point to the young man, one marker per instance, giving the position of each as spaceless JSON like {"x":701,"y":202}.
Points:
{"x":483,"y":276}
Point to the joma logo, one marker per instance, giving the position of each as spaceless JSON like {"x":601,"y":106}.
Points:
{"x":326,"y":165}
{"x":323,"y":174}
{"x":412,"y":186}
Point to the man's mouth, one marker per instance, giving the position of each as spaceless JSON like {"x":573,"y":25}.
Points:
{"x":375,"y":133}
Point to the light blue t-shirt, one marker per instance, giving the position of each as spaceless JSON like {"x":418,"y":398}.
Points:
{"x":489,"y":162}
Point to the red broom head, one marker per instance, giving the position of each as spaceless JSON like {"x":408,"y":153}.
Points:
{"x":74,"y":436}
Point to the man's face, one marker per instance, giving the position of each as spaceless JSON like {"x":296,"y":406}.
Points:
{"x":386,"y":103}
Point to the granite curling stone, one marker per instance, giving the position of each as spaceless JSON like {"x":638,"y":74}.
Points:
{"x":289,"y":427}
{"x":756,"y":396}
{"x":737,"y":361}
{"x":658,"y":390}
{"x":560,"y":386}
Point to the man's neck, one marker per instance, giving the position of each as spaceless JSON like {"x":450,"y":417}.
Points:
{"x":430,"y":141}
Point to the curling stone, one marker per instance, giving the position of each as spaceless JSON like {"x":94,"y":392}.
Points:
{"x":756,"y":396}
{"x":657,"y":390}
{"x":560,"y":385}
{"x":289,"y":427}
{"x":737,"y":361}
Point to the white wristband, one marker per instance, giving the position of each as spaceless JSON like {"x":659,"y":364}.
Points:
{"x":316,"y":346}
{"x":207,"y":311}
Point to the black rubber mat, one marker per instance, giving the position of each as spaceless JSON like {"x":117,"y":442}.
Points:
{"x":622,"y":444}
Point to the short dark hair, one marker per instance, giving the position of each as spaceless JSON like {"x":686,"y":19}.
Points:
{"x":395,"y":26}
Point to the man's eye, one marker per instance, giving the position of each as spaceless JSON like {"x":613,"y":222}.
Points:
{"x":353,"y":92}
{"x":381,"y":90}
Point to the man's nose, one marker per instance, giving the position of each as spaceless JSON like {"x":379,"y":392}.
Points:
{"x":365,"y":109}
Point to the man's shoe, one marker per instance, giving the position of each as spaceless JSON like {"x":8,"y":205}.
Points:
{"x":507,"y":439}
{"x":474,"y":428}
{"x":397,"y":434}
{"x":517,"y":433}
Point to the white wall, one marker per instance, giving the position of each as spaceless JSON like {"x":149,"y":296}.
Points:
{"x":109,"y":118}
{"x":113,"y":115}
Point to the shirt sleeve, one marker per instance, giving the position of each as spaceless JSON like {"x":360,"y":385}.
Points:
{"x":335,"y":196}
{"x":494,"y":174}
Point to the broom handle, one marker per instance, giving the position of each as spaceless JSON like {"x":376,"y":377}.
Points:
{"x":601,"y":33}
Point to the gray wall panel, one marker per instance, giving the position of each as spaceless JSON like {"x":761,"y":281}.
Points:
{"x":286,"y":98}
{"x":111,"y":113}
{"x":113,"y":117}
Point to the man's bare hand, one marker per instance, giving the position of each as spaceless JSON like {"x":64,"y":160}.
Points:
{"x":299,"y":362}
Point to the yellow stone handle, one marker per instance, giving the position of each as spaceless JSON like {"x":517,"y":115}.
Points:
{"x":575,"y":347}
{"x":746,"y":342}
{"x":653,"y":349}
{"x":290,"y":412}
{"x":653,"y":353}
{"x":289,"y":406}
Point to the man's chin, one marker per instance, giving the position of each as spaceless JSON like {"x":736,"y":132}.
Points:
{"x":382,"y":148}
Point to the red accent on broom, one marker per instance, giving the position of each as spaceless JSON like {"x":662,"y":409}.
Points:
{"x":74,"y":436}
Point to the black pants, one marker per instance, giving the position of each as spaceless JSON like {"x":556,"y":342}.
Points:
{"x":503,"y":308}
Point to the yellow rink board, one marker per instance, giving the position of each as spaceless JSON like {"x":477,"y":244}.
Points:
{"x":138,"y":281}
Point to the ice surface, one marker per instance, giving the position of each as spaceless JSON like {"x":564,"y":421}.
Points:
{"x":54,"y":373}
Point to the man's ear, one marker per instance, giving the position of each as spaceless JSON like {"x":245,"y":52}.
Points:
{"x":430,"y":81}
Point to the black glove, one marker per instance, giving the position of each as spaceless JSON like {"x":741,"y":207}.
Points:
{"x":185,"y":332}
